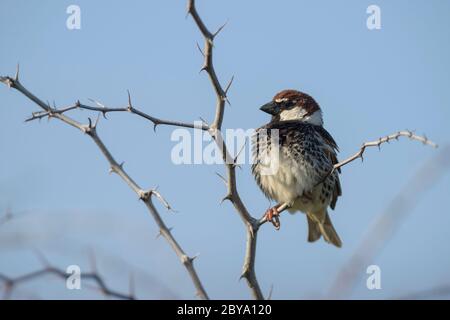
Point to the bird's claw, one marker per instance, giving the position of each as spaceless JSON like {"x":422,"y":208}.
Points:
{"x":272,"y":215}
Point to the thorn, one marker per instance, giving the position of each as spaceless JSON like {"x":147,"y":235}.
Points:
{"x":160,"y":232}
{"x":226,"y":90}
{"x":189,"y":8}
{"x":239,"y":153}
{"x":113,"y":170}
{"x":229,"y":84}
{"x":200,"y":49}
{"x":218,"y":30}
{"x":204,"y":68}
{"x":97,"y":120}
{"x":41,"y":257}
{"x":269,"y":296}
{"x":161,"y":199}
{"x":78,"y":103}
{"x":33,"y":116}
{"x":191,"y":259}
{"x":204,"y":121}
{"x":130,"y":106}
{"x":97,"y":103}
{"x":154,"y":126}
{"x":227,"y":197}
{"x":239,"y":166}
{"x":16,"y":77}
{"x":223,"y":179}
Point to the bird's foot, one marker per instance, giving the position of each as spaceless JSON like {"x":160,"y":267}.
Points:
{"x":272,"y":215}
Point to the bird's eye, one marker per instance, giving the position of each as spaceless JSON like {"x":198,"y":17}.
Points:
{"x":285,"y":103}
{"x":289,"y":104}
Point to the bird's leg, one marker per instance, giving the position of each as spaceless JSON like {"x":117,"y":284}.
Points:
{"x":272,"y":215}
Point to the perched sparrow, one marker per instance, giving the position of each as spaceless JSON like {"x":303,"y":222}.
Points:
{"x":305,"y":157}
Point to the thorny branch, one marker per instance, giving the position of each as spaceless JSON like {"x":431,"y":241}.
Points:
{"x":360,"y":153}
{"x":9,"y":283}
{"x":145,"y":196}
{"x":379,"y":142}
{"x":248,"y":272}
{"x":105,"y":110}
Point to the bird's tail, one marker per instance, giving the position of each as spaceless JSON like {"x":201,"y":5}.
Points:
{"x":325,"y":229}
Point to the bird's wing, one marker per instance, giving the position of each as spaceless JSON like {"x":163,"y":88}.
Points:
{"x":331,"y":152}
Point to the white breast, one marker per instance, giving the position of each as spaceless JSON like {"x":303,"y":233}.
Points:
{"x":289,"y":179}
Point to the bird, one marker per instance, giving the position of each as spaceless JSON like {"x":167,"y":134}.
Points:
{"x":293,"y":159}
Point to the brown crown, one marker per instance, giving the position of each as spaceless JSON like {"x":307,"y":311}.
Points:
{"x":302,"y":100}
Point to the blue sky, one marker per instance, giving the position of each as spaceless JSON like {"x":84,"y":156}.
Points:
{"x":368,"y":83}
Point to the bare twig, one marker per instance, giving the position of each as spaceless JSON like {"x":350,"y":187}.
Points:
{"x":379,"y":142}
{"x":146,"y":196}
{"x":10,"y":283}
{"x":388,"y":222}
{"x":105,"y":110}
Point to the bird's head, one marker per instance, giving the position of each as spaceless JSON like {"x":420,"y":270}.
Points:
{"x":294,"y":105}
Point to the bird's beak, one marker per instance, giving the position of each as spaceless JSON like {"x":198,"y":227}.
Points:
{"x":270,"y":108}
